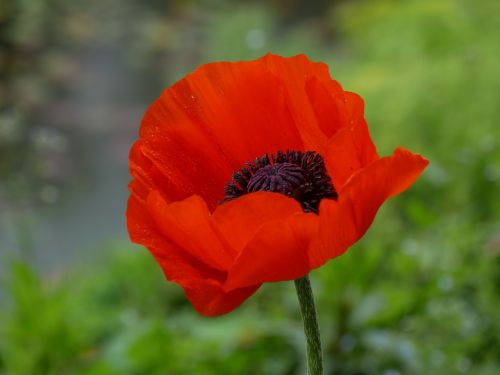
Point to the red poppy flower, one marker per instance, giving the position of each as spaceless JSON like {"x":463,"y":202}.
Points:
{"x":253,"y":172}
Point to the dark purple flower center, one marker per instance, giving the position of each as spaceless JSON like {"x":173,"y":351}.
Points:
{"x":297,"y":174}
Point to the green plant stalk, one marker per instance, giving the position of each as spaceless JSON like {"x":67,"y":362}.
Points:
{"x":311,"y":327}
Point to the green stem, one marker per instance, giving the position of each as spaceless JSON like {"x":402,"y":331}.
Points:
{"x":311,"y":328}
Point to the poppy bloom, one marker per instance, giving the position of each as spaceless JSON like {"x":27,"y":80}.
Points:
{"x":256,"y":171}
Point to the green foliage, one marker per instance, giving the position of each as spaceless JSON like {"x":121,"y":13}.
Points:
{"x":124,"y":319}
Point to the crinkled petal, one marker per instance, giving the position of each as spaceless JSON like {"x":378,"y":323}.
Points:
{"x":241,"y":218}
{"x":349,"y":150}
{"x":188,"y":225}
{"x":210,"y":123}
{"x":210,"y":299}
{"x":333,"y":107}
{"x":207,"y":125}
{"x":177,"y":264}
{"x":180,"y":162}
{"x":196,"y":249}
{"x":295,"y":72}
{"x":279,"y":251}
{"x":202,"y":282}
{"x":344,"y":221}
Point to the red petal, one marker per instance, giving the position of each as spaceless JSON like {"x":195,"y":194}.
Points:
{"x":202,"y":282}
{"x":183,"y":165}
{"x":349,"y":150}
{"x":188,"y":225}
{"x":188,"y":242}
{"x":240,"y":219}
{"x":209,"y":299}
{"x":222,"y":115}
{"x":340,"y":115}
{"x":210,"y":123}
{"x":139,"y":224}
{"x":334,"y":108}
{"x":279,"y":251}
{"x":177,"y":264}
{"x":344,"y":221}
{"x":295,"y":72}
{"x":241,"y":107}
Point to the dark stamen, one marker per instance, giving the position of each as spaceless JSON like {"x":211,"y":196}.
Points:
{"x":300,"y":175}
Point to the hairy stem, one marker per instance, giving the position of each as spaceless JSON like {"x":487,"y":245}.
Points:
{"x":311,"y":328}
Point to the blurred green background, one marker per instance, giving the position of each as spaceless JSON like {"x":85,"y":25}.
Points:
{"x":419,"y":294}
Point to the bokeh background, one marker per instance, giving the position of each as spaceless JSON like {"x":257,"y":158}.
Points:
{"x":419,"y":294}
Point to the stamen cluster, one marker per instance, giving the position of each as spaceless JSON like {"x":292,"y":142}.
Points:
{"x":298,"y":174}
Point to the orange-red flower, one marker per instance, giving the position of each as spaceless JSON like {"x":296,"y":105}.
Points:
{"x":221,"y":204}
